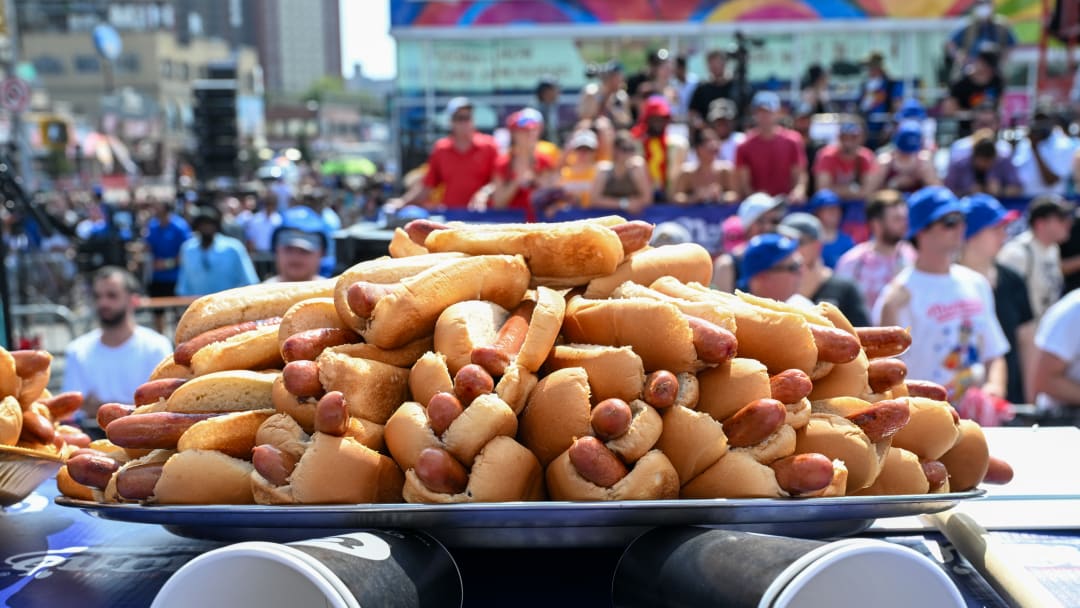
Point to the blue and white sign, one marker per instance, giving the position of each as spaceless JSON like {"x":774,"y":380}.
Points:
{"x":107,"y":41}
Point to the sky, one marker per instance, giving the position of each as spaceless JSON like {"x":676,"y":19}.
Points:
{"x":365,"y":38}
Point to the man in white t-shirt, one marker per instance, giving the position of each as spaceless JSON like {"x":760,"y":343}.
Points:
{"x":956,"y":339}
{"x":109,"y":363}
{"x":1044,"y":158}
{"x":1056,"y":376}
{"x":1036,"y":254}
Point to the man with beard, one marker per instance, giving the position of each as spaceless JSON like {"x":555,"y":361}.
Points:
{"x":873,"y":263}
{"x":109,"y":363}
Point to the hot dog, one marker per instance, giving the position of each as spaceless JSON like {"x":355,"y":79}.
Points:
{"x":159,"y":430}
{"x":301,"y":378}
{"x":472,"y":381}
{"x":661,"y":389}
{"x":64,"y":404}
{"x":252,"y":303}
{"x":156,"y":390}
{"x":438,"y":470}
{"x":882,"y":342}
{"x":109,"y":412}
{"x":754,"y":422}
{"x":232,"y":434}
{"x":273,"y":464}
{"x":883,"y":419}
{"x":611,"y":418}
{"x":834,"y":345}
{"x":926,"y":389}
{"x":801,"y":474}
{"x":309,"y":344}
{"x":884,"y":374}
{"x":688,"y":262}
{"x":790,"y":386}
{"x":496,"y":357}
{"x":137,"y":482}
{"x":443,"y":409}
{"x":503,"y":471}
{"x":187,"y":349}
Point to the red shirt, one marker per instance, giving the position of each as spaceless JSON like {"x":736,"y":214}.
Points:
{"x":844,"y":170}
{"x":522,"y":198}
{"x":461,"y":172}
{"x":770,"y":160}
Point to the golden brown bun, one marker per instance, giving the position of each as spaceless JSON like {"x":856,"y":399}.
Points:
{"x":813,"y":316}
{"x":465,"y":326}
{"x":692,"y":441}
{"x":301,"y":410}
{"x":703,"y":310}
{"x":9,"y":380}
{"x":71,"y":488}
{"x":255,"y":350}
{"x":614,"y":371}
{"x":411,"y":310}
{"x":31,"y":389}
{"x":557,"y":412}
{"x":398,"y":357}
{"x":780,"y":340}
{"x":503,"y":471}
{"x":727,"y":388}
{"x":798,"y":414}
{"x":11,"y":420}
{"x":645,"y":429}
{"x":967,"y":460}
{"x":228,"y":391}
{"x":580,"y":248}
{"x":736,"y":475}
{"x":282,"y":432}
{"x":780,"y":444}
{"x":544,"y":328}
{"x":635,"y":322}
{"x":840,"y":406}
{"x":266,"y":493}
{"x":931,"y":431}
{"x":836,"y":317}
{"x":408,"y":432}
{"x":340,"y":470}
{"x":688,"y":262}
{"x":651,"y":478}
{"x":901,"y":473}
{"x":840,"y":439}
{"x":231,"y":434}
{"x":821,"y":369}
{"x":844,"y":379}
{"x":250,"y":303}
{"x":380,"y":270}
{"x":484,"y":419}
{"x":372,"y":390}
{"x":315,"y":313}
{"x":170,"y":369}
{"x":152,"y":457}
{"x":429,"y":376}
{"x":515,"y":386}
{"x":401,"y":246}
{"x":204,"y":477}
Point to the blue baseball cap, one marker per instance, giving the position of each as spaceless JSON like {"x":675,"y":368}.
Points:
{"x":823,"y":198}
{"x":911,"y":109}
{"x":928,"y":205}
{"x":767,"y":100}
{"x":908,"y":137}
{"x":763,"y":252}
{"x":985,"y":211}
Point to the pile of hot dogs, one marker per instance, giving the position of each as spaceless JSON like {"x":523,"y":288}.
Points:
{"x":29,"y":414}
{"x":485,"y":363}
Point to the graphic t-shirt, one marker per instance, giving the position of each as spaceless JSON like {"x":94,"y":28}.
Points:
{"x":1040,"y":267}
{"x":872,"y":271}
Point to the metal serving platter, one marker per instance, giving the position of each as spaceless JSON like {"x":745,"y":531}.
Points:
{"x":529,"y":524}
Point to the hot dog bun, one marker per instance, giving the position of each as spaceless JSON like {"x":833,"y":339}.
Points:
{"x":484,"y":419}
{"x":645,"y":428}
{"x":544,"y":327}
{"x":557,"y":411}
{"x":635,"y":322}
{"x":840,"y":439}
{"x":11,"y":420}
{"x":736,"y":475}
{"x":900,"y":474}
{"x":726,"y":388}
{"x":341,"y":470}
{"x":9,"y":380}
{"x":251,"y":350}
{"x":228,"y":391}
{"x":931,"y":430}
{"x":204,"y":477}
{"x":503,"y":471}
{"x":250,"y":303}
{"x":404,"y":356}
{"x":688,"y":262}
{"x":704,"y":310}
{"x":373,"y":390}
{"x":692,"y":441}
{"x":613,"y":371}
{"x":428,"y":376}
{"x":232,"y":434}
{"x":170,"y":369}
{"x":844,"y":379}
{"x":314,"y":313}
{"x":651,"y":478}
{"x":401,"y":246}
{"x":465,"y":326}
{"x":968,"y":459}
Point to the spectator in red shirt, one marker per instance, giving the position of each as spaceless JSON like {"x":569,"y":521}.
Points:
{"x":772,"y":159}
{"x":521,"y":172}
{"x":462,"y":163}
{"x":844,"y":166}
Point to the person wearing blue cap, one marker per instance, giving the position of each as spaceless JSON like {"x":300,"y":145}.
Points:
{"x":956,"y":338}
{"x":829,"y":209}
{"x":299,"y":243}
{"x":772,"y":268}
{"x":984,"y":236}
{"x":773,"y":158}
{"x":908,"y":166}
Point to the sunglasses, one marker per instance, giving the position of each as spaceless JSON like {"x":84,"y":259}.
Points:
{"x":951,"y":221}
{"x":792,"y":267}
{"x":461,"y":117}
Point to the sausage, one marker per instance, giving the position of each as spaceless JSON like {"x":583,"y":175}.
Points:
{"x":935,"y":473}
{"x":689,"y":390}
{"x":633,"y":235}
{"x":185,"y":350}
{"x":882,"y":419}
{"x":418,"y":230}
{"x":472,"y":381}
{"x":596,"y":463}
{"x":926,"y":389}
{"x":955,"y":415}
{"x":611,"y":418}
{"x":29,"y":363}
{"x":835,"y":345}
{"x":156,"y":430}
{"x":94,"y":470}
{"x":713,"y":343}
{"x":332,"y":414}
{"x":496,"y":357}
{"x":301,"y":378}
{"x":63,"y":405}
{"x":790,"y":386}
{"x":109,"y":412}
{"x":440,"y":472}
{"x":308,"y":345}
{"x":273,"y":464}
{"x":37,"y":428}
{"x":880,"y":342}
{"x":803,"y":473}
{"x":754,"y":422}
{"x":73,"y":436}
{"x":661,"y":389}
{"x":137,"y":482}
{"x":363,"y":296}
{"x":156,"y":390}
{"x":884,"y":374}
{"x":998,"y":471}
{"x":443,"y":408}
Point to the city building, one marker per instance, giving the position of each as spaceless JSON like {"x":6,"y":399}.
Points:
{"x":298,"y":42}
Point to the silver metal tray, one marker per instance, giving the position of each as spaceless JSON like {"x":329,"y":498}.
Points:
{"x":529,"y":524}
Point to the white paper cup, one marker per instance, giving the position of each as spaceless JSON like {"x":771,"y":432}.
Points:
{"x":357,"y":570}
{"x":688,"y":567}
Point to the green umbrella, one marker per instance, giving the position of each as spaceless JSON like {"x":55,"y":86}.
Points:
{"x":354,"y":165}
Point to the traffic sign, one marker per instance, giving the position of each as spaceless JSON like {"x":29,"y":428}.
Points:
{"x":14,"y":94}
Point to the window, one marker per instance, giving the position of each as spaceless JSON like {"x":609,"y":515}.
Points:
{"x":182,"y":71}
{"x":47,"y":65}
{"x":127,"y":63}
{"x":166,"y":68}
{"x":87,"y":64}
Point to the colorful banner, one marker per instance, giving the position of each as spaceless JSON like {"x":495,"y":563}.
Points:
{"x":455,"y":13}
